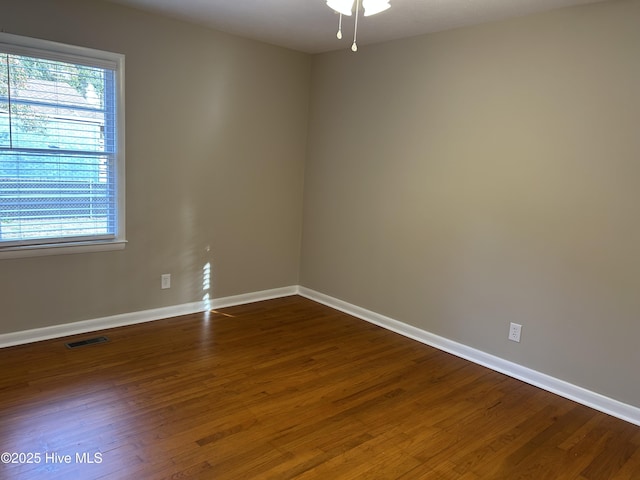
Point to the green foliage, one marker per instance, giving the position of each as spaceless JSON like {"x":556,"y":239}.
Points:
{"x":17,"y":71}
{"x":21,"y":69}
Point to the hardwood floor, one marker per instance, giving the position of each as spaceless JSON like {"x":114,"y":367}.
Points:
{"x":288,"y":389}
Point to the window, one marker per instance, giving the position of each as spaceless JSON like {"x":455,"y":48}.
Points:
{"x":61,"y":148}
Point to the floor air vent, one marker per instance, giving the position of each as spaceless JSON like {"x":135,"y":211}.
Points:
{"x":88,"y":341}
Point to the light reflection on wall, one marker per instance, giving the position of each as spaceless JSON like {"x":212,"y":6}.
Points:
{"x":206,"y":286}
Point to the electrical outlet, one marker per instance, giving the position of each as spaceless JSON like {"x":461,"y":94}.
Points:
{"x":514,"y":332}
{"x":165,"y":281}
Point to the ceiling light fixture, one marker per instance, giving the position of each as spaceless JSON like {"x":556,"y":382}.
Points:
{"x":345,"y":7}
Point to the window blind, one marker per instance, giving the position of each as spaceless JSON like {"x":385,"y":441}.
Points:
{"x":58,"y":151}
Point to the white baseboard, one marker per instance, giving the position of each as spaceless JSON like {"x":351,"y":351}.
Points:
{"x":564,"y":389}
{"x":254,"y":297}
{"x":85,"y":326}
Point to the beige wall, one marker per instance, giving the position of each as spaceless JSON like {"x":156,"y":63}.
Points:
{"x":215,"y":134}
{"x":463,"y":180}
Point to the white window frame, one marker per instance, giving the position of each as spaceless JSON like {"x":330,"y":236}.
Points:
{"x":20,"y":45}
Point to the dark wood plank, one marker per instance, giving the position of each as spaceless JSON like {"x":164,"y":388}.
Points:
{"x":289,"y":389}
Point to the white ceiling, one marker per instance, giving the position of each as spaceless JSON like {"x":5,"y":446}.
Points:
{"x":310,"y":26}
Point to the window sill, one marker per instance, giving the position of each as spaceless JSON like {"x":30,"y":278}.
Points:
{"x":61,"y":249}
